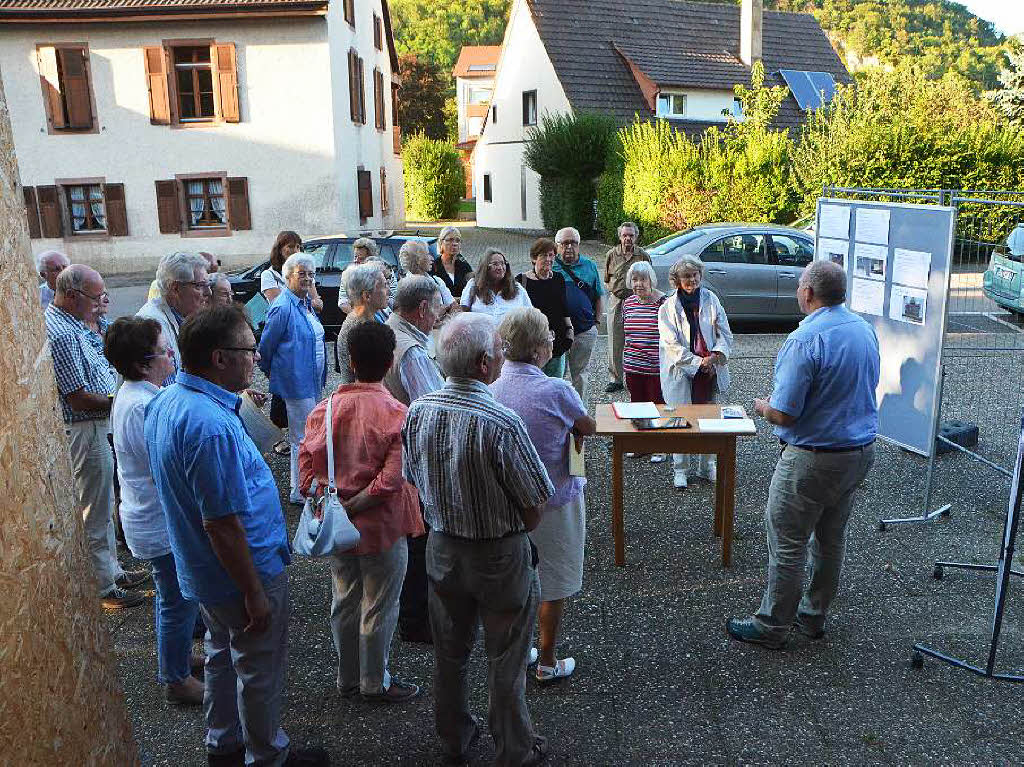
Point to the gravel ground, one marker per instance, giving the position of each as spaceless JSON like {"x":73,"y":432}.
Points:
{"x":658,"y":681}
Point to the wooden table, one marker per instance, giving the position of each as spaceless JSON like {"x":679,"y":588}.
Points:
{"x":626,"y":439}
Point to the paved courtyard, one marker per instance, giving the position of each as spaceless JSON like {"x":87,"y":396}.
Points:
{"x":658,"y":681}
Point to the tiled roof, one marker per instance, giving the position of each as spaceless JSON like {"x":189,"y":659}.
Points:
{"x":473,"y":57}
{"x":66,"y":9}
{"x":675,"y":43}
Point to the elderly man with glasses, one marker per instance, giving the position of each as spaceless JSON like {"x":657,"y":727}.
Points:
{"x":183,"y":279}
{"x":49,"y":264}
{"x":585,"y":295}
{"x":85,"y":385}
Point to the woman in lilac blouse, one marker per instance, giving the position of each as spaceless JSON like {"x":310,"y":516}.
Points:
{"x":553,"y":413}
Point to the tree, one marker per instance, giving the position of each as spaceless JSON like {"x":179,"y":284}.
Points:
{"x":438,"y":30}
{"x":1010,"y":98}
{"x":423,"y":97}
{"x":434,"y":178}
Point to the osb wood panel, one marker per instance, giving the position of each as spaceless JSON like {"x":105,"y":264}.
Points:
{"x":60,"y":698}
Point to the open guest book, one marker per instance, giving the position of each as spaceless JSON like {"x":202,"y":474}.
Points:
{"x":629,"y":410}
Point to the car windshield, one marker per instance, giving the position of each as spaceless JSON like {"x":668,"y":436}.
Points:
{"x":673,"y":241}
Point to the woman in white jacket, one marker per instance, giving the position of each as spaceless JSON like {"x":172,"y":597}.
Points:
{"x":695,"y":344}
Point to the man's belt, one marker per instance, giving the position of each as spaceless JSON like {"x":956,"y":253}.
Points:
{"x":814,"y":449}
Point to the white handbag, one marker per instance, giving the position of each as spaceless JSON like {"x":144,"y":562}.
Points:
{"x":335,"y":533}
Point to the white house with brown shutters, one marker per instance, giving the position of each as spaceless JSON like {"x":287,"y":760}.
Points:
{"x":148,"y":126}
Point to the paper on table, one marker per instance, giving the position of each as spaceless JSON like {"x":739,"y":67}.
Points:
{"x":908,"y":304}
{"x":834,"y":221}
{"x":733,"y":411}
{"x":873,"y":225}
{"x":635,"y":410}
{"x":867,"y":297}
{"x":727,"y":425}
{"x":869,"y":261}
{"x":577,"y":466}
{"x":833,"y":250}
{"x":911,"y":267}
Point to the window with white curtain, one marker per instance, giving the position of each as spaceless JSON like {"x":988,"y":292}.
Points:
{"x":86,"y":208}
{"x":206,"y":205}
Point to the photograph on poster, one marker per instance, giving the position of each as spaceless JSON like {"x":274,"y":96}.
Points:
{"x":908,"y":305}
{"x":867,"y":297}
{"x":869,"y":261}
{"x":911,"y":267}
{"x":873,"y":225}
{"x":834,"y":221}
{"x":833,"y":250}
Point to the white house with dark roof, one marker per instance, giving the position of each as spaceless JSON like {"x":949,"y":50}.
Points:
{"x":148,"y":126}
{"x":646,"y":58}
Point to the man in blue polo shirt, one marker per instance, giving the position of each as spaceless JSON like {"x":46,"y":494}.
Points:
{"x":228,"y":538}
{"x":824,"y":412}
{"x":585,"y":294}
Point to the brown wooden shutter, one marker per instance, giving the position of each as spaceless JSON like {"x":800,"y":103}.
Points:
{"x":49,"y":211}
{"x":48,"y":75}
{"x":77,"y":100}
{"x":31,"y":212}
{"x":238,"y":203}
{"x":385,"y":202}
{"x":168,"y":207}
{"x":156,"y":77}
{"x":361,"y":90}
{"x":117,"y":215}
{"x":378,"y":100}
{"x":226,"y":79}
{"x":365,"y":193}
{"x":350,"y":12}
{"x":353,"y":78}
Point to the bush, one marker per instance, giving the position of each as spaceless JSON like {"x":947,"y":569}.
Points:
{"x":568,"y":152}
{"x":434,"y":179}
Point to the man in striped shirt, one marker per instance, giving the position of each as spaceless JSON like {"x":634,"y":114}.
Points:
{"x":481,"y":484}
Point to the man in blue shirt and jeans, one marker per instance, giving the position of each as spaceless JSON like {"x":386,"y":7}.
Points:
{"x":585,"y":295}
{"x":825,"y":415}
{"x":228,"y":538}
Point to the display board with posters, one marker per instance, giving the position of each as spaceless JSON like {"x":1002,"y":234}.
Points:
{"x":897,"y":258}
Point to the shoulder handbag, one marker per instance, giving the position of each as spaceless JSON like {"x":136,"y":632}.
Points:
{"x":334,"y":533}
{"x":584,"y":287}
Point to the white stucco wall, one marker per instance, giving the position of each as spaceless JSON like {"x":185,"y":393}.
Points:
{"x":705,"y":104}
{"x":295,"y":141}
{"x":524,"y":66}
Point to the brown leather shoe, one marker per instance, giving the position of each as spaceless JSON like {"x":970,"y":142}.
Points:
{"x":188,"y":692}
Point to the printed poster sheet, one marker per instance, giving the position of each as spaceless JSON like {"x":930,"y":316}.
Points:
{"x":911,"y":267}
{"x":908,"y":304}
{"x":869,"y":260}
{"x":867,"y":297}
{"x":833,"y":250}
{"x":834,"y":221}
{"x":873,"y":225}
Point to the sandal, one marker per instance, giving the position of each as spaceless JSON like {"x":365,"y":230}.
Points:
{"x":562,"y":669}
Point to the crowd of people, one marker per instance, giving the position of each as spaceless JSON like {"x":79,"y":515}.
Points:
{"x":462,"y":394}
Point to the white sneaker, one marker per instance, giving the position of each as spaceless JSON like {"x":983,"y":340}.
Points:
{"x":630,"y":455}
{"x":658,"y":458}
{"x":679,"y":478}
{"x":533,"y":656}
{"x":562,"y":669}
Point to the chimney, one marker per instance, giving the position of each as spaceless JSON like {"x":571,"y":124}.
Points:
{"x":751,"y":13}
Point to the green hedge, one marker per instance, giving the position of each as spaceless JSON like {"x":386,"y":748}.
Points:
{"x":434,"y":179}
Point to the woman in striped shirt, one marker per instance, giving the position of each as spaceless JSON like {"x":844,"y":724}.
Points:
{"x":640,"y":351}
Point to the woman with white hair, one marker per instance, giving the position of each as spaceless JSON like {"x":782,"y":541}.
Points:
{"x":695,"y":344}
{"x":554,"y":414}
{"x":367,"y":290}
{"x":640,"y":357}
{"x":450,"y":266}
{"x":365,"y":250}
{"x":292,"y":354}
{"x":414,"y":258}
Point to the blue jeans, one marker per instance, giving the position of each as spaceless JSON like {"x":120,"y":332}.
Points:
{"x":174,"y":618}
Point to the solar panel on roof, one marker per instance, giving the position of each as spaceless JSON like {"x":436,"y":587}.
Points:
{"x":810,"y":89}
{"x":801,"y":88}
{"x":824,"y":84}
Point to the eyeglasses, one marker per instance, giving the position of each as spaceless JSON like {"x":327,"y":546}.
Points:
{"x":202,"y":287}
{"x":168,"y":352}
{"x":689,"y":277}
{"x":97,"y":298}
{"x":569,"y":244}
{"x":251,"y":349}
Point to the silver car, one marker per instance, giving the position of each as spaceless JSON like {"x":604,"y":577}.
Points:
{"x":752,"y":268}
